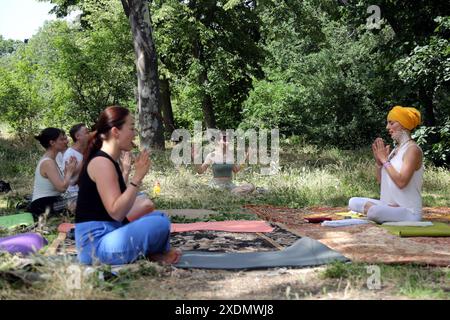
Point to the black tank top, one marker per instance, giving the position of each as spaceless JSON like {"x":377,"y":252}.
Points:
{"x":89,"y":204}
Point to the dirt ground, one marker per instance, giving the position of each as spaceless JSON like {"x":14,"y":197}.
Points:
{"x":273,"y":284}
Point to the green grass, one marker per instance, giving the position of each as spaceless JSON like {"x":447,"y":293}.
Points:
{"x":309,"y":176}
{"x":412,"y":281}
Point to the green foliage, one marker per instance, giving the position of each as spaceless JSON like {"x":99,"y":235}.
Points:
{"x":311,"y":68}
{"x":20,"y":100}
{"x":8,"y":46}
{"x":437,"y":152}
{"x":319,"y":82}
{"x":68,"y":74}
{"x":428,"y":66}
{"x":97,"y":62}
{"x":206,"y":49}
{"x":275,"y":104}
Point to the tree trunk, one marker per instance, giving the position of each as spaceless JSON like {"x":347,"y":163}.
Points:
{"x":166,"y":105}
{"x":426,"y":99}
{"x":207,"y":104}
{"x":150,"y":120}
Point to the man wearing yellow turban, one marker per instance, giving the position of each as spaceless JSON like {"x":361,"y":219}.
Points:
{"x":399,"y":172}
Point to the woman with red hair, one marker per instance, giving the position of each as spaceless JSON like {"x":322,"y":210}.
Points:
{"x":103,"y":232}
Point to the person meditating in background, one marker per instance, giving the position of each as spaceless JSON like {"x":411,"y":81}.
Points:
{"x":80,"y":137}
{"x":399,"y":172}
{"x":103,"y":232}
{"x":49,"y":181}
{"x":223,"y":171}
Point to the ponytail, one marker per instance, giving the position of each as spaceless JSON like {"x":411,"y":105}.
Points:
{"x":113,"y":116}
{"x":94,"y":144}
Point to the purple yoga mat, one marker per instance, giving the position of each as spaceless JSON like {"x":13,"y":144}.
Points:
{"x":25,"y":243}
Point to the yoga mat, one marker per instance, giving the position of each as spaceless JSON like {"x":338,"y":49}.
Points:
{"x":304,"y":252}
{"x":16,"y":220}
{"x":22,"y":243}
{"x":228,"y":226}
{"x":65,"y":227}
{"x":438,"y":229}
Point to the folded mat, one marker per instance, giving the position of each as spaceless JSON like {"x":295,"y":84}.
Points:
{"x":438,"y":229}
{"x":228,"y":226}
{"x":16,"y":220}
{"x":25,"y":243}
{"x":304,"y":252}
{"x":344,"y":223}
{"x":366,"y":243}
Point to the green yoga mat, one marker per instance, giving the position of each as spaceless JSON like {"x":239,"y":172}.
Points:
{"x":16,"y":220}
{"x":438,"y":229}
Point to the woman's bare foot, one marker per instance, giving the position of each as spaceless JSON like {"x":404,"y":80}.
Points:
{"x":170,"y":257}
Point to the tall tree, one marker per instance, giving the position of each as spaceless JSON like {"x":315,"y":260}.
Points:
{"x":149,"y":108}
{"x":150,"y":119}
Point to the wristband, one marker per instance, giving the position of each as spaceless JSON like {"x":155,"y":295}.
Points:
{"x":134,"y":184}
{"x":387,"y":164}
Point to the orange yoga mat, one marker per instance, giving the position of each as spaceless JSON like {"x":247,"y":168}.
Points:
{"x":229,"y":226}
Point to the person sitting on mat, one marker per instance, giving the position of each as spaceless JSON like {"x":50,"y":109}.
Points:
{"x":399,"y":172}
{"x":80,"y":137}
{"x":49,"y":180}
{"x":222,"y":171}
{"x":103,"y":232}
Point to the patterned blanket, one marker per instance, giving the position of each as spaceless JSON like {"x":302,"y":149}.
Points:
{"x":363,"y":243}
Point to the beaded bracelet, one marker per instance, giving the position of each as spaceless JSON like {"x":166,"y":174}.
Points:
{"x":387,"y":164}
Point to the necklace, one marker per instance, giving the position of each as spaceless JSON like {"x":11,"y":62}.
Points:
{"x":395,"y":151}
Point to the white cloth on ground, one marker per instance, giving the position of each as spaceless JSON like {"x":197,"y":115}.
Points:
{"x":344,"y":222}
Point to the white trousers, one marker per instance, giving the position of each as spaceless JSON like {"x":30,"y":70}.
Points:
{"x":381,"y":212}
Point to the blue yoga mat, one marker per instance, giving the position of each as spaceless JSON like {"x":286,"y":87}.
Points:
{"x":304,"y":252}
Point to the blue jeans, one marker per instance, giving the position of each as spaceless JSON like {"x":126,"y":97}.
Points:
{"x":111,"y":242}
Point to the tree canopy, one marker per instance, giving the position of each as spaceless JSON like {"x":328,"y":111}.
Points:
{"x":312,"y":68}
